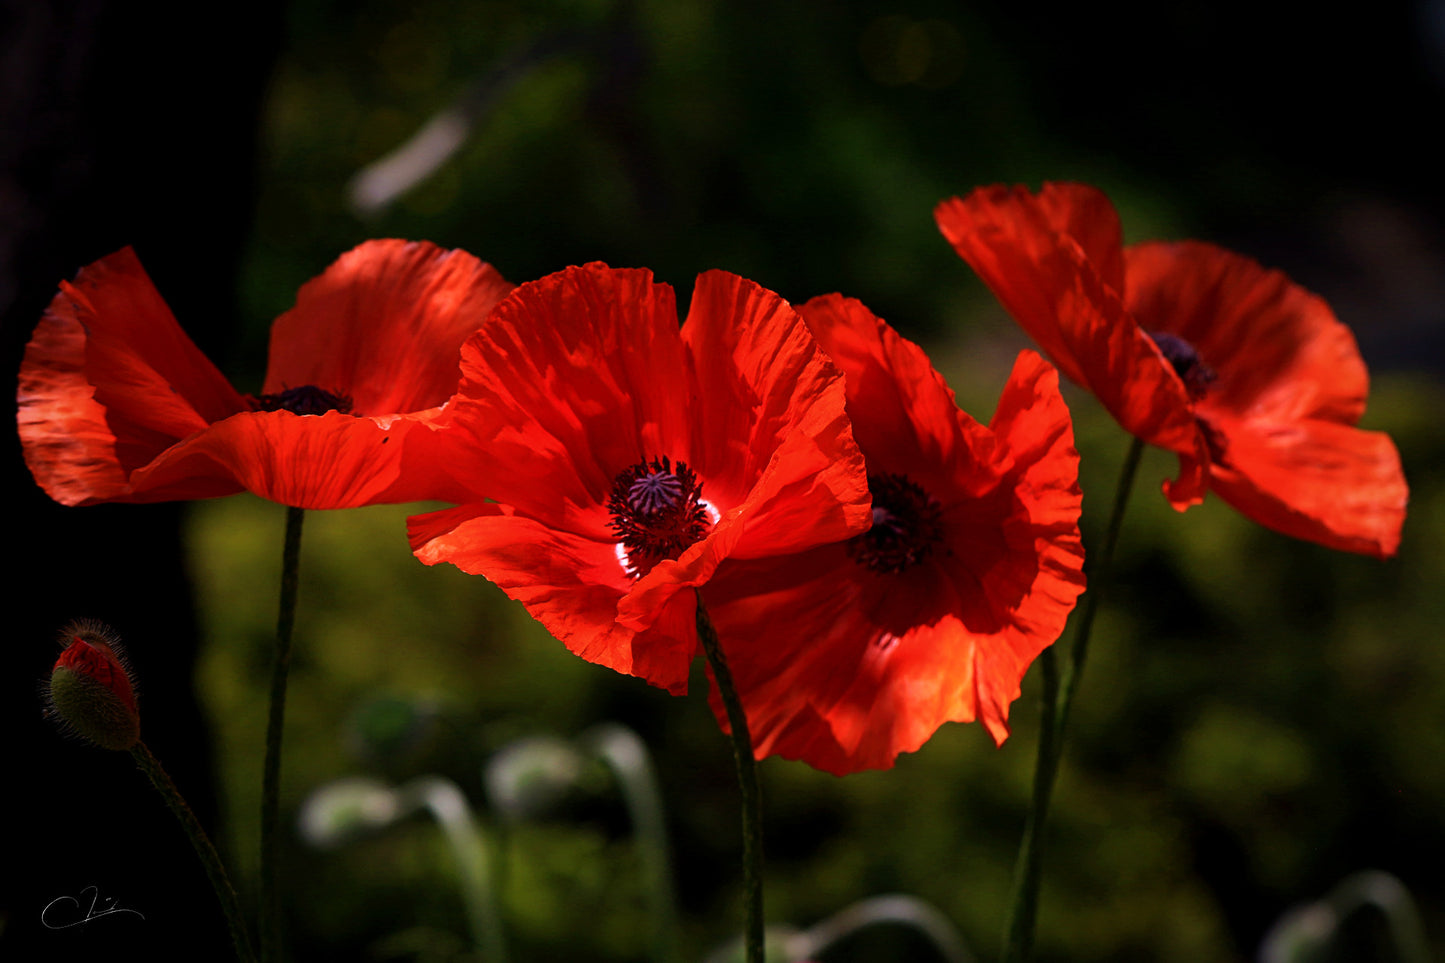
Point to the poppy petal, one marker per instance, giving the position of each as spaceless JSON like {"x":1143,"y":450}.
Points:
{"x":384,"y":325}
{"x":650,"y":594}
{"x":1035,"y":428}
{"x":584,"y":375}
{"x":797,"y":480}
{"x":904,"y":414}
{"x":830,"y":671}
{"x":109,"y":381}
{"x":568,"y":582}
{"x":903,"y":688}
{"x":1041,"y":575}
{"x":1048,"y":283}
{"x":1316,"y":480}
{"x":332,"y":460}
{"x":771,"y":433}
{"x":1085,"y":214}
{"x":845,"y":667}
{"x":1276,"y":350}
{"x":576,"y":377}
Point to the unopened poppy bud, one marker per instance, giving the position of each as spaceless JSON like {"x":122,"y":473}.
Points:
{"x":90,"y":691}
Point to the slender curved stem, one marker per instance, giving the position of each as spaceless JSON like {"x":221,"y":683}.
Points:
{"x":1100,"y":577}
{"x":747,"y":782}
{"x":201,"y":843}
{"x":626,"y":755}
{"x":1028,"y":870}
{"x":897,"y":909}
{"x":448,"y":805}
{"x":1058,"y":696}
{"x":271,"y":774}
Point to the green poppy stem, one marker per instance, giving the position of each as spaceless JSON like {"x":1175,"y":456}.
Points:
{"x":1100,"y":576}
{"x":1028,"y":871}
{"x":201,"y":843}
{"x":747,"y":781}
{"x":271,"y":774}
{"x":1058,"y":696}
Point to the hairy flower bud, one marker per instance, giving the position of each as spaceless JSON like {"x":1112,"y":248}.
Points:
{"x":90,"y":690}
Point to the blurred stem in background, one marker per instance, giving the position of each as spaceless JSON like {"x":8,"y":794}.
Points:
{"x":346,"y":808}
{"x":898,"y":910}
{"x":1313,"y":933}
{"x":1057,"y":698}
{"x":271,"y":774}
{"x":449,"y":806}
{"x":626,"y":755}
{"x":526,"y":778}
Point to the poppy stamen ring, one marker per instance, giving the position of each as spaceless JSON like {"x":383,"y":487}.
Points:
{"x":305,"y":400}
{"x":1184,"y":358}
{"x":907,"y":524}
{"x":657,"y":512}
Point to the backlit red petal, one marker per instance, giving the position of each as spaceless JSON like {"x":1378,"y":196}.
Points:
{"x":904,"y":415}
{"x":577,"y":376}
{"x":1017,"y":250}
{"x":1276,"y":350}
{"x":1085,"y":214}
{"x":845,"y":667}
{"x":1036,"y":432}
{"x":109,"y":380}
{"x":1051,"y":286}
{"x":384,"y":325}
{"x":305,"y":461}
{"x":569,"y":583}
{"x":1016,"y":554}
{"x":1317,"y":480}
{"x":650,"y":595}
{"x":68,"y":445}
{"x":831,"y":668}
{"x":770,"y":433}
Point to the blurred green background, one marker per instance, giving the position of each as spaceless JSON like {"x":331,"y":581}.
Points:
{"x":1261,"y":717}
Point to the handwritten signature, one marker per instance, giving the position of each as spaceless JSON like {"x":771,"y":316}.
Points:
{"x":56,"y":917}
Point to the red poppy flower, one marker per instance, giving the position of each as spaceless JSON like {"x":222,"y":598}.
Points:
{"x":625,"y":459}
{"x":848,"y":654}
{"x":118,"y":405}
{"x":1246,"y":376}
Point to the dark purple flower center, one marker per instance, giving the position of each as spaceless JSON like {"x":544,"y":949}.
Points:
{"x":657,"y":512}
{"x":305,"y":400}
{"x":1191,"y":369}
{"x":907,"y":524}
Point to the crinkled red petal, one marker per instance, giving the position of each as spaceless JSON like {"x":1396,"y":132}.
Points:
{"x":568,"y":582}
{"x":1317,"y":480}
{"x":384,"y":325}
{"x":583,"y":374}
{"x":1049,"y":282}
{"x":799,"y":480}
{"x":904,"y":415}
{"x":108,"y":382}
{"x":846,"y":668}
{"x":578,"y":376}
{"x":901,"y":689}
{"x":332,"y":460}
{"x":1276,"y":350}
{"x":771,"y":434}
{"x":1035,"y":583}
{"x":1085,"y":214}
